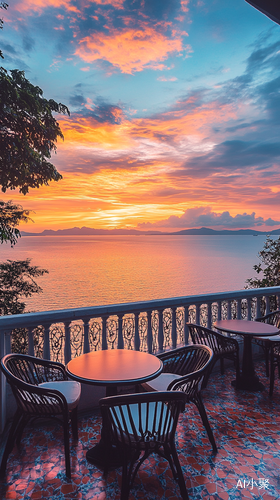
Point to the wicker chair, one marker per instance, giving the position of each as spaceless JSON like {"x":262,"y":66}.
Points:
{"x":223,"y":347}
{"x":142,"y":424}
{"x":184,"y":369}
{"x":271,"y":347}
{"x":41,"y":389}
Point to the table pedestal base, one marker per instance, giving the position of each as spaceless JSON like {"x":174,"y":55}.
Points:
{"x":248,"y":384}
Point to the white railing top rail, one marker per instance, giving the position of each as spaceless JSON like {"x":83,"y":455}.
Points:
{"x":68,"y":315}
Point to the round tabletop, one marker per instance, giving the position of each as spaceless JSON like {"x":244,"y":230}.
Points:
{"x":244,"y":327}
{"x":116,"y":367}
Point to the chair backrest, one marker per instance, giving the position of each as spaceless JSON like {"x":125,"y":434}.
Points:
{"x":31,"y":370}
{"x":25,"y":373}
{"x":191,"y":382}
{"x":272,"y":318}
{"x":218,"y":342}
{"x":186,"y":359}
{"x":143,"y":421}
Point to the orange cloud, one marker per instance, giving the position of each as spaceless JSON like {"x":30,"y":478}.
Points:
{"x":90,"y":132}
{"x":41,"y":5}
{"x":130,"y":50}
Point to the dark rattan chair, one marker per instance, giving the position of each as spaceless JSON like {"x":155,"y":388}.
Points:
{"x":223,"y":347}
{"x":271,"y":347}
{"x":41,"y":389}
{"x":184,"y":369}
{"x":142,"y":424}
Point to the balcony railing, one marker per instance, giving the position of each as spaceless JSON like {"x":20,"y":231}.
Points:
{"x":150,"y":326}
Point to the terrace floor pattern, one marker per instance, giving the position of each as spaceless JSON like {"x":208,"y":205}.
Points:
{"x":246,"y":426}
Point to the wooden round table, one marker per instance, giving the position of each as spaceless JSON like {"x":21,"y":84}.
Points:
{"x":114,"y":367}
{"x":111,"y":368}
{"x":248,"y":329}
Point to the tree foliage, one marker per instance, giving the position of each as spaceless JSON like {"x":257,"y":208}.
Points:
{"x":17,"y":281}
{"x":10,"y":216}
{"x":269,"y":266}
{"x":28,"y":133}
{"x":3,"y":5}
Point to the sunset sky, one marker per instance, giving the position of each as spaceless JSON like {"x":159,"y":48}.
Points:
{"x":175,"y":111}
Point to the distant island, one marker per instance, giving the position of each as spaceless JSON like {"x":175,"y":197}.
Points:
{"x":204,"y":231}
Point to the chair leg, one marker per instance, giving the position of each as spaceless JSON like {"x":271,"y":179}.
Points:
{"x":125,"y":483}
{"x":180,"y":478}
{"x":237,"y":367}
{"x":66,"y":446}
{"x":222,"y":366}
{"x":266,"y":353}
{"x":272,"y":375}
{"x":10,"y":442}
{"x":74,"y":422}
{"x":199,"y":403}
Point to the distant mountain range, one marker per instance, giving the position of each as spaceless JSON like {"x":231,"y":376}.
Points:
{"x":83,"y":231}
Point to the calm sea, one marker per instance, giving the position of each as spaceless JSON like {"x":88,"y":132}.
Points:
{"x":96,"y":270}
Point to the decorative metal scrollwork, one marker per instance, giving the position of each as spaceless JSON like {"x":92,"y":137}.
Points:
{"x":57,"y":340}
{"x":112,"y":332}
{"x":76,"y":338}
{"x":95,"y":334}
{"x":19,"y":340}
{"x":38,"y":339}
{"x":128,"y":330}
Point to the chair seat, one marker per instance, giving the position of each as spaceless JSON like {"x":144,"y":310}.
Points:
{"x":70,"y":389}
{"x":272,"y":338}
{"x":161,"y":382}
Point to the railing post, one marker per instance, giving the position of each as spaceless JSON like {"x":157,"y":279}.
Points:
{"x":104,"y":332}
{"x":120,"y":332}
{"x":149,"y":332}
{"x":197,"y":314}
{"x":249,"y":309}
{"x":160,"y":330}
{"x":136,"y":336}
{"x":267,"y":305}
{"x":174,"y":328}
{"x":67,"y":343}
{"x":86,"y":337}
{"x":209,"y":315}
{"x":228,"y":309}
{"x":30,"y":342}
{"x":238,"y":309}
{"x":219,"y":316}
{"x":46,"y":350}
{"x":258,"y":311}
{"x":186,"y":330}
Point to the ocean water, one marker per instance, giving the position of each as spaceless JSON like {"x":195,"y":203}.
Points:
{"x":98,"y":270}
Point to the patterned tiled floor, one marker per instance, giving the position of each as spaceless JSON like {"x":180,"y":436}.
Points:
{"x":246,"y":426}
